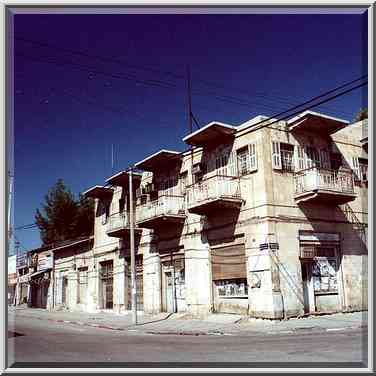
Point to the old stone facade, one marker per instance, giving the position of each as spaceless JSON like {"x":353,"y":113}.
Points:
{"x":269,"y":221}
{"x":266,"y":219}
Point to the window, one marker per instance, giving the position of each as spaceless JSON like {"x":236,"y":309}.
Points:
{"x":221,"y":164}
{"x":198,"y":172}
{"x":105,"y":212}
{"x":363,"y":169}
{"x":312,"y":157}
{"x":300,"y":157}
{"x":183,"y":178}
{"x":287,"y":157}
{"x":243,"y":161}
{"x":231,"y":288}
{"x":335,"y":161}
{"x":121,"y":205}
{"x":324,"y":273}
{"x":247,"y":159}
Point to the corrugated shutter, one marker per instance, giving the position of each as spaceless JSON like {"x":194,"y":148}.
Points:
{"x":228,"y":262}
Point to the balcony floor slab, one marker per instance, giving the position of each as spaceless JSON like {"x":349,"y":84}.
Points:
{"x":324,"y":197}
{"x":161,"y":221}
{"x":121,"y":232}
{"x":208,"y":206}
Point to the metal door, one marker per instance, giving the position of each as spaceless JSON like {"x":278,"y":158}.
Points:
{"x":169,"y":292}
{"x":306,"y":276}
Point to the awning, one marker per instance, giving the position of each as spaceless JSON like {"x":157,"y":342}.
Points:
{"x":99,"y":191}
{"x":310,"y":121}
{"x":211,"y":133}
{"x":39,"y":272}
{"x":159,"y":160}
{"x":122,"y":179}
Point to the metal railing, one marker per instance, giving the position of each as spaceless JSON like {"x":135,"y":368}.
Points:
{"x":214,"y":187}
{"x":314,"y":178}
{"x":118,"y":221}
{"x":164,"y":205}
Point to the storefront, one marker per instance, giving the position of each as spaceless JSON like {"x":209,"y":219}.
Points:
{"x":229,"y":276}
{"x":319,"y":256}
{"x":39,"y":286}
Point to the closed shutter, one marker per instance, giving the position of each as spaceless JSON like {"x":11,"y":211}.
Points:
{"x":252,"y":157}
{"x":228,"y":262}
{"x":276,"y":156}
{"x":300,"y":165}
{"x":232,"y":165}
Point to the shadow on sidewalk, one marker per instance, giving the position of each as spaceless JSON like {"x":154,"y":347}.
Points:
{"x":152,"y":322}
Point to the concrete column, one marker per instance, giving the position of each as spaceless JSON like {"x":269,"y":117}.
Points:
{"x":92,"y":296}
{"x":198,"y":281}
{"x":72,"y":289}
{"x":152,"y":283}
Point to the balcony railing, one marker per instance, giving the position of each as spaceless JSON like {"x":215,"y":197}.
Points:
{"x":118,"y":221}
{"x":316,"y":178}
{"x":213,"y":188}
{"x":165,"y":205}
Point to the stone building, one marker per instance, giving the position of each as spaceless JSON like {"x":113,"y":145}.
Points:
{"x":72,"y":270}
{"x":12,"y":279}
{"x":267,"y":219}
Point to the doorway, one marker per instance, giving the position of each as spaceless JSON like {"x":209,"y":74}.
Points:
{"x":306,"y":278}
{"x":107,"y":284}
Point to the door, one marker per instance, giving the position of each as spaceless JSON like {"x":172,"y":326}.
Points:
{"x":107,"y":284}
{"x":306,"y":278}
{"x":139,"y":285}
{"x":169,"y":292}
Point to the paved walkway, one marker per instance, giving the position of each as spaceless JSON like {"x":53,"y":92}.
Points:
{"x":214,"y":324}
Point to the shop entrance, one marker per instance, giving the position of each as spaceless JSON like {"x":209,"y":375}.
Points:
{"x":173,"y":282}
{"x":320,"y":275}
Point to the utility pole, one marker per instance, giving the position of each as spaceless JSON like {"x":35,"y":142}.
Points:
{"x":133,"y":256}
{"x":10,"y":229}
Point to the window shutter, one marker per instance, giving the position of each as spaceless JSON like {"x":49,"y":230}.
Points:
{"x":356,"y":169}
{"x":276,"y":156}
{"x":300,"y":165}
{"x":232,"y":164}
{"x":252,"y":157}
{"x":325,"y":160}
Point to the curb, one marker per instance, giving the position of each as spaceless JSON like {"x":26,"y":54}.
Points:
{"x":201,"y":333}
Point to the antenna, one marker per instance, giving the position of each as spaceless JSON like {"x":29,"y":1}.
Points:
{"x":112,"y":157}
{"x":189,"y":99}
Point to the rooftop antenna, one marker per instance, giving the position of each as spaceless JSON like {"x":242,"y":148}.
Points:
{"x":112,"y":158}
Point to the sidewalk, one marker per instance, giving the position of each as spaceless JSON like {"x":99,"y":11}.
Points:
{"x":214,"y":324}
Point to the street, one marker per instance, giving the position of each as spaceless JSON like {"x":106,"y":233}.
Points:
{"x":32,"y":341}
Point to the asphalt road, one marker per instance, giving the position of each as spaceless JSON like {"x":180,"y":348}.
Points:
{"x":32,"y":342}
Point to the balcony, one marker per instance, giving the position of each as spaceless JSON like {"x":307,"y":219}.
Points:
{"x":214,"y":193}
{"x":166,"y":210}
{"x":118,"y":225}
{"x":320,"y":185}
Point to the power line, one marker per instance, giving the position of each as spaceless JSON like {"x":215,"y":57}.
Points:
{"x":307,"y":108}
{"x":122,"y":62}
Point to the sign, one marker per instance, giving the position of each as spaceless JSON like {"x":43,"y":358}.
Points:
{"x":272,"y":246}
{"x":21,"y":261}
{"x":319,"y":237}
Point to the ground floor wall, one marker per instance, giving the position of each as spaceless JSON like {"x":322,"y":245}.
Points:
{"x":292,"y":267}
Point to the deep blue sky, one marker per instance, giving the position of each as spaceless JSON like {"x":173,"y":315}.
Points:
{"x":68,"y":113}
